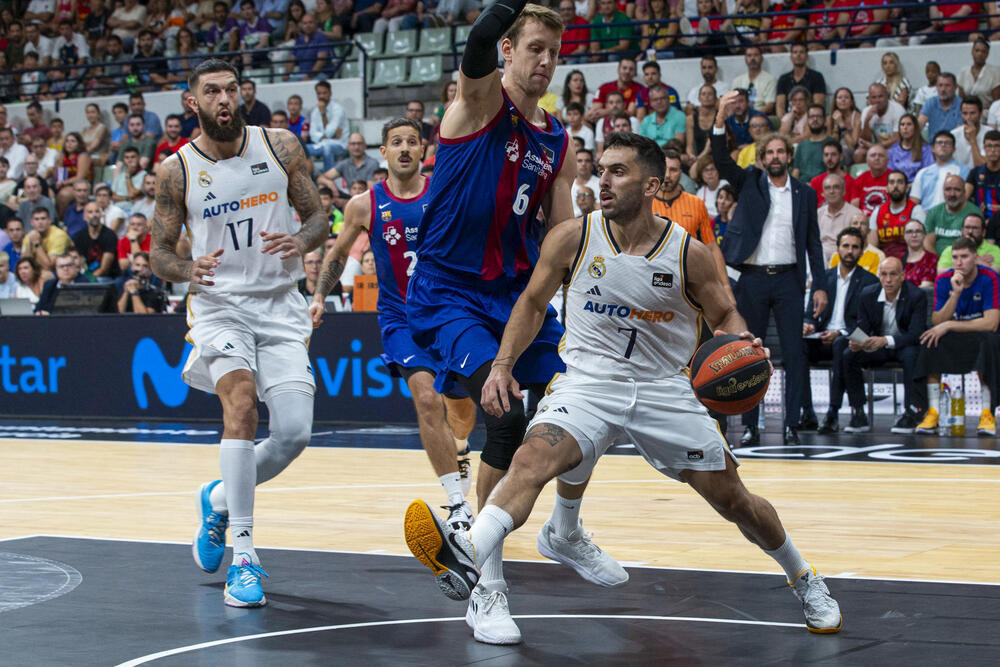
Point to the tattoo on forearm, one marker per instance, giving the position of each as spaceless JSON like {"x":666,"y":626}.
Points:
{"x":302,"y":192}
{"x":328,"y":279}
{"x":168,"y":220}
{"x":503,"y":361}
{"x":550,"y":433}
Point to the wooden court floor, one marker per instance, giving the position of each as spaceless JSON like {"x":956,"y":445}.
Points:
{"x":883,"y":520}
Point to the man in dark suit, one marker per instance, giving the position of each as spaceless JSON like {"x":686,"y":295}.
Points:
{"x":893,"y":314}
{"x":769,"y":239}
{"x":840,"y":317}
{"x":67,"y":273}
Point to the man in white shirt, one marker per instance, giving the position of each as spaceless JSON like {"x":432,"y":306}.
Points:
{"x":112,"y":216}
{"x":14,"y":151}
{"x":36,"y":42}
{"x":584,"y":178}
{"x":39,"y":11}
{"x":8,"y":284}
{"x":879,"y":121}
{"x":761,"y":87}
{"x":709,"y":75}
{"x":573,"y":114}
{"x":969,"y":136}
{"x":328,"y":128}
{"x":834,"y":215}
{"x":147,"y":203}
{"x":928,"y":185}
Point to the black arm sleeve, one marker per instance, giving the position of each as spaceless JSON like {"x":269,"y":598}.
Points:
{"x":480,"y":58}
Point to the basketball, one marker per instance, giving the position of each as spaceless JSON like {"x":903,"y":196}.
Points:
{"x":730,"y":375}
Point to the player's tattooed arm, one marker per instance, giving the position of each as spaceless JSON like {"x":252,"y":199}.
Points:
{"x":302,"y":192}
{"x":169,"y":216}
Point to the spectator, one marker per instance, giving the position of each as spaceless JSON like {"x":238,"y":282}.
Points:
{"x":866,"y":21}
{"x":254,"y":33}
{"x":827,"y":26}
{"x":893,"y":314}
{"x":190,"y":125}
{"x":126,"y":186}
{"x":95,"y":134}
{"x":943,"y":112}
{"x":146,"y":204}
{"x":56,"y":129}
{"x":833,"y":163}
{"x":709,"y":77}
{"x":428,"y":15}
{"x":126,"y":21}
{"x":725,"y":202}
{"x":279,"y":120}
{"x":970,"y":135}
{"x":97,"y":244}
{"x":184,"y":55}
{"x":368,"y":263}
{"x":47,"y":157}
{"x":944,"y":221}
{"x":415,"y":111}
{"x":576,"y":127}
{"x":574,"y":90}
{"x":963,"y":336}
{"x":157,"y":17}
{"x":615,"y":102}
{"x":366,"y":12}
{"x":13,"y":152}
{"x":150,"y":121}
{"x":706,"y":174}
{"x":910,"y":154}
{"x":759,"y":127}
{"x":172,"y":139}
{"x":297,"y":123}
{"x":312,"y":262}
{"x":67,"y":273}
{"x":36,"y":125}
{"x":879,"y":121}
{"x":39,"y":12}
{"x":7,"y":185}
{"x":793,"y":123}
{"x":609,"y":41}
{"x":112,"y":216}
{"x":786,"y":28}
{"x":141,"y":291}
{"x":15,"y":237}
{"x":293,"y":16}
{"x":113,"y":68}
{"x":72,"y":163}
{"x":892,"y":78}
{"x":274,"y":12}
{"x":921,"y":264}
{"x":845,"y":121}
{"x":827,"y":333}
{"x":626,"y":85}
{"x":800,"y":75}
{"x":140,"y":140}
{"x":585,"y":202}
{"x":357,"y":166}
{"x":982,"y":186}
{"x":913,"y":25}
{"x":980,"y":79}
{"x":392,"y":15}
{"x":30,"y":280}
{"x":12,"y":44}
{"x":73,"y":216}
{"x":834,"y":215}
{"x":32,"y":199}
{"x":739,"y":121}
{"x":585,"y":178}
{"x":932,"y":71}
{"x":149,"y":69}
{"x":224,"y":34}
{"x":575,"y":46}
{"x":119,"y":132}
{"x":8,"y":283}
{"x":889,"y":220}
{"x":665,"y":122}
{"x":698,"y":125}
{"x":870,"y":186}
{"x":253,"y":112}
{"x":761,"y":87}
{"x":872,"y":257}
{"x":328,"y":128}
{"x":808,"y":162}
{"x":69,"y":49}
{"x":45,"y":241}
{"x":928,"y":184}
{"x":33,"y":85}
{"x":667,"y":37}
{"x":954,"y":18}
{"x":37,"y":43}
{"x":137,"y":239}
{"x":974,"y":229}
{"x":651,"y":76}
{"x":747,"y":25}
{"x":95,"y":26}
{"x":30,"y":171}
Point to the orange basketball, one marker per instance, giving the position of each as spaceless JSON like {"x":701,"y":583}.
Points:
{"x":730,"y":375}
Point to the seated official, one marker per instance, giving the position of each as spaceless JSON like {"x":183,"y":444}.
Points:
{"x":964,"y":336}
{"x":67,"y":273}
{"x":834,"y":324}
{"x":871,"y":257}
{"x":893,"y":314}
{"x":974,"y":228}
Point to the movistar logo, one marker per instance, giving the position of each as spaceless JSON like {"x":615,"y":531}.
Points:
{"x":148,"y":362}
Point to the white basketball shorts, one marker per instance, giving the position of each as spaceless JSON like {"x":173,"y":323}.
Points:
{"x":663,"y":419}
{"x":265,"y":334}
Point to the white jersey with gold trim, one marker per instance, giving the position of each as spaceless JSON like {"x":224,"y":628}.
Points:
{"x":229,"y":203}
{"x":629,"y":316}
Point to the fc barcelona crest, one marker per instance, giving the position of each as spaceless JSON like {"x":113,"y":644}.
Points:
{"x":386,"y":216}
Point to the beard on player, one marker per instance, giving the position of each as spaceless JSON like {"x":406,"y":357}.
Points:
{"x":623,"y":206}
{"x":228,"y":128}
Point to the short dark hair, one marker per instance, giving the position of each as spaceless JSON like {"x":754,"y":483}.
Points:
{"x":651,"y":64}
{"x":361,"y":181}
{"x":31,"y":54}
{"x":146,"y":32}
{"x":102,"y":188}
{"x":6,"y":129}
{"x":225,"y":5}
{"x":851,"y":231}
{"x":34,"y":105}
{"x":977,"y":216}
{"x":120,"y":105}
{"x":323,"y":190}
{"x":587,"y":151}
{"x":136,"y":96}
{"x":946,"y":134}
{"x":731,"y":191}
{"x":708,"y":56}
{"x":816,"y":106}
{"x":279,"y":112}
{"x":415,"y":101}
{"x":130,"y":149}
{"x":974,"y":101}
{"x":380,"y":170}
{"x":247,"y":2}
{"x":964,"y":243}
{"x":650,"y":157}
{"x":210,"y":66}
{"x":323,"y":84}
{"x":574,"y":106}
{"x":250,"y":81}
{"x":948,"y":75}
{"x":137,"y":115}
{"x":615,"y":92}
{"x":671,"y":154}
{"x":4,"y":161}
{"x":10,"y":220}
{"x":115,"y":38}
{"x":295,"y":97}
{"x":992,"y":135}
{"x":174,"y":116}
{"x":399,"y":122}
{"x":897,"y":171}
{"x":40,"y":209}
{"x":835,"y":144}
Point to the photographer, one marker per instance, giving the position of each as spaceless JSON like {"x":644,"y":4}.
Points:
{"x":141,"y":291}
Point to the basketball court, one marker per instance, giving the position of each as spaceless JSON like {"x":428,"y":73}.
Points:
{"x":96,"y":566}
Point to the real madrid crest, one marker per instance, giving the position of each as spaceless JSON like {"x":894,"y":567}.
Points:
{"x":204,"y":180}
{"x":597,"y":268}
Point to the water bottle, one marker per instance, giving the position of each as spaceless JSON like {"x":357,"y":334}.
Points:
{"x":957,"y":416}
{"x":944,"y":410}
{"x":761,"y":420}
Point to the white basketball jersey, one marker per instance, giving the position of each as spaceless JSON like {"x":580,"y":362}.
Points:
{"x":229,"y":203}
{"x":629,"y":316}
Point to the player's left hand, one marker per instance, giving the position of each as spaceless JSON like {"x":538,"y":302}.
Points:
{"x":746,"y":335}
{"x":288,"y":245}
{"x":496,"y":391}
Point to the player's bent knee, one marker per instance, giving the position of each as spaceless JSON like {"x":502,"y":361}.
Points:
{"x":503,"y":436}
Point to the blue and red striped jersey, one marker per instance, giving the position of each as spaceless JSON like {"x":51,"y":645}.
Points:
{"x":393,"y":231}
{"x":485,"y":195}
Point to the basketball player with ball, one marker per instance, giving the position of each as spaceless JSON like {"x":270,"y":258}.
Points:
{"x":638,"y":287}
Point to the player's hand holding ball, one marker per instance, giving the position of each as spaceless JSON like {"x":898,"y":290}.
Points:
{"x":497,"y":388}
{"x":730,"y":373}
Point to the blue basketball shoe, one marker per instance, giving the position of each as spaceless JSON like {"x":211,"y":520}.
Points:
{"x":243,"y":584}
{"x":209,"y":544}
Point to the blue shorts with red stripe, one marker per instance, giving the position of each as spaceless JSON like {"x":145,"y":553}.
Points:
{"x":401,"y":352}
{"x":460,"y":323}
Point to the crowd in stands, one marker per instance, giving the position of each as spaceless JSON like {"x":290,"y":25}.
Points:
{"x":907,"y":182}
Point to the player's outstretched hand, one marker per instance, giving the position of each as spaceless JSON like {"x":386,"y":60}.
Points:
{"x":201,"y":268}
{"x":288,"y":245}
{"x":316,"y":310}
{"x":496,"y":391}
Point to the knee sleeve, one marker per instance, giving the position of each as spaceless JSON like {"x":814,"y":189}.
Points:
{"x":503,"y":434}
{"x":291,"y":413}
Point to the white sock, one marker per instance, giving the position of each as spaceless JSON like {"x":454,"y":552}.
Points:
{"x":565,"y":515}
{"x":933,"y":394}
{"x":789,"y":558}
{"x":239,"y":475}
{"x":492,"y":571}
{"x":987,"y":402}
{"x":461,"y":446}
{"x":487,"y":533}
{"x":452,"y":483}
